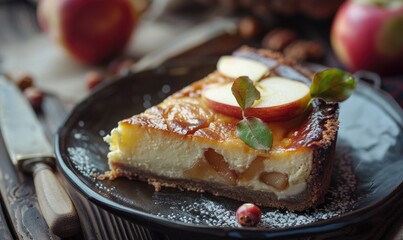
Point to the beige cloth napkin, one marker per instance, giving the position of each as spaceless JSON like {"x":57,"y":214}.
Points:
{"x":54,"y":71}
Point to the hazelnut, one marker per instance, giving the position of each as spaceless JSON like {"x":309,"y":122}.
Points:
{"x":248,"y":215}
{"x":120,"y":67}
{"x":7,"y":76}
{"x":304,"y":50}
{"x":25,"y":81}
{"x":249,"y":27}
{"x":92,"y":79}
{"x":34,"y":96}
{"x":278,"y":39}
{"x":315,"y":50}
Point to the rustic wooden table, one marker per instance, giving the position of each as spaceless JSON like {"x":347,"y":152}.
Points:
{"x":20,"y":217}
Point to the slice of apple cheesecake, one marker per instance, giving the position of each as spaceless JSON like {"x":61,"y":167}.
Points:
{"x":190,"y":140}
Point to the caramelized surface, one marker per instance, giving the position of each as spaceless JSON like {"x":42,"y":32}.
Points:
{"x":186,"y":113}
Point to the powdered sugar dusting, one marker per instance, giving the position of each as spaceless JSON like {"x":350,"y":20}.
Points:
{"x":203,"y":209}
{"x":85,"y":165}
{"x":81,"y":161}
{"x":339,"y":199}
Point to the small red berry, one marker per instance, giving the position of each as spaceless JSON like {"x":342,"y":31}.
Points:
{"x":248,"y":215}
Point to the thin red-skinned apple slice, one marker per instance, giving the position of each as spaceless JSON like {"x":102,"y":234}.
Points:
{"x":281,"y":99}
{"x":234,"y":67}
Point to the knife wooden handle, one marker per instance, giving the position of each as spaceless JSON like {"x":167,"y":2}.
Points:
{"x":56,"y":205}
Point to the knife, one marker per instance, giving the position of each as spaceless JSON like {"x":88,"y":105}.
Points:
{"x":31,"y":152}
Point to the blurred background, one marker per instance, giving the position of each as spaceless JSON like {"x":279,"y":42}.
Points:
{"x":42,"y":39}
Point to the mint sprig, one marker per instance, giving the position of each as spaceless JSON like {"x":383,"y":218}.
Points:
{"x":245,"y":92}
{"x":251,"y":130}
{"x":255,"y":133}
{"x":330,"y":85}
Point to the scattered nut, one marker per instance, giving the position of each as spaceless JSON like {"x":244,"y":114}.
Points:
{"x":304,"y":50}
{"x":34,"y":96}
{"x":315,"y":50}
{"x":279,"y":39}
{"x":120,"y":66}
{"x":92,"y":79}
{"x":315,"y":9}
{"x":248,"y":215}
{"x":297,"y":52}
{"x":7,"y":76}
{"x":25,"y":81}
{"x":249,"y":27}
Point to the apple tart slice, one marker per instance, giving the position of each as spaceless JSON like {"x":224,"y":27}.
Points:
{"x":189,"y":141}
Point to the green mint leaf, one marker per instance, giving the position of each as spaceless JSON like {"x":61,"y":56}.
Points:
{"x":245,"y":92}
{"x":254,"y":133}
{"x":332,"y":85}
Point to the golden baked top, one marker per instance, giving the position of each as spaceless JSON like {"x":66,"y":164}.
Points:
{"x":186,"y":113}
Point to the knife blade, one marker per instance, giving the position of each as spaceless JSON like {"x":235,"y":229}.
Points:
{"x":31,"y":152}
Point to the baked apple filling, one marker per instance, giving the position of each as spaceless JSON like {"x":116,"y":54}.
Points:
{"x":213,"y":161}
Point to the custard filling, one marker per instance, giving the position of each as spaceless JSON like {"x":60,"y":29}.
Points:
{"x":283,"y":172}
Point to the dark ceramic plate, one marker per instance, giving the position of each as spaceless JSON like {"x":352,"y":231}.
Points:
{"x":366,"y":185}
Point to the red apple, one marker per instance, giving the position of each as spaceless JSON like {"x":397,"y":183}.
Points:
{"x":281,"y":99}
{"x":368,"y":35}
{"x":91,"y":31}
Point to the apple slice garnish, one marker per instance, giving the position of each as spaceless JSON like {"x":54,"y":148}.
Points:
{"x":234,"y":67}
{"x":281,"y":99}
